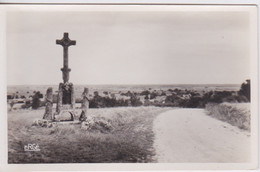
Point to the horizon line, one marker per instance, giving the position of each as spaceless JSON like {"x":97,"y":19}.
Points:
{"x":123,"y":84}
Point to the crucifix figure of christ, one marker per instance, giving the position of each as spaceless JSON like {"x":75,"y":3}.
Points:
{"x":65,"y":42}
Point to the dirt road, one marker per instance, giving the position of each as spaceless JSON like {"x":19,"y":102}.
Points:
{"x":189,"y":135}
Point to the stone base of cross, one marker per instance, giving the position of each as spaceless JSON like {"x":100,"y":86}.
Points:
{"x":65,"y":109}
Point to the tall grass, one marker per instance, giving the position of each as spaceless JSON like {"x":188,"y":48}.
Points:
{"x":236,"y":114}
{"x":129,"y":139}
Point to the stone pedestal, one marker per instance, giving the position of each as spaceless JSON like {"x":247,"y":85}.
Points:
{"x":65,"y":109}
{"x":65,"y":101}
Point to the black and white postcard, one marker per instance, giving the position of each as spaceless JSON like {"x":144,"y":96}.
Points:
{"x":124,"y":87}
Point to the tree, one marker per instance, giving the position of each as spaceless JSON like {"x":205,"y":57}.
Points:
{"x":153,"y":95}
{"x":27,"y":104}
{"x":145,"y":93}
{"x":96,"y":94}
{"x":22,"y":97}
{"x":245,"y":89}
{"x":135,"y":101}
{"x":10,"y":97}
{"x":36,"y":100}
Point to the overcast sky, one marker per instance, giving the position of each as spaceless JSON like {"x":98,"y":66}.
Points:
{"x":124,"y":47}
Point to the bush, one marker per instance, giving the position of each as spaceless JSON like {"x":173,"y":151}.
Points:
{"x":27,"y":104}
{"x":145,"y":93}
{"x":128,"y":94}
{"x":228,"y":112}
{"x":101,"y":102}
{"x":95,"y":102}
{"x":36,"y":102}
{"x":135,"y":101}
{"x":10,"y":97}
{"x":153,"y":95}
{"x":198,"y":101}
{"x":194,"y":102}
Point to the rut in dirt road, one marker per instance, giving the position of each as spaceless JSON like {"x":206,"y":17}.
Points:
{"x":189,"y":135}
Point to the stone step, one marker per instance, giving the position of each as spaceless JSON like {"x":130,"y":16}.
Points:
{"x":66,"y":122}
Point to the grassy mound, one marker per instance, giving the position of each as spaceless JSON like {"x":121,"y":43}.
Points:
{"x":236,"y":114}
{"x":115,"y":135}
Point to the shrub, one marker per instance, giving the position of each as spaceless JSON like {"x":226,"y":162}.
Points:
{"x":153,"y":95}
{"x":27,"y":104}
{"x":122,"y":102}
{"x":135,"y":101}
{"x":101,"y":102}
{"x":128,"y":94}
{"x":23,"y":97}
{"x":230,"y":113}
{"x":194,"y":102}
{"x":170,"y":99}
{"x":145,"y":93}
{"x":163,"y":94}
{"x":10,"y":97}
{"x":36,"y":102}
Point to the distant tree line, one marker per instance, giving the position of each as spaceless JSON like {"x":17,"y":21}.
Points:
{"x":175,"y":99}
{"x":195,"y":100}
{"x":199,"y":101}
{"x":100,"y":102}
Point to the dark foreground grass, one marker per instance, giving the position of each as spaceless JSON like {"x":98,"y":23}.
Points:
{"x":130,"y":138}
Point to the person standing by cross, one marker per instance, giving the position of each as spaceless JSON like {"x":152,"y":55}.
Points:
{"x":65,"y":42}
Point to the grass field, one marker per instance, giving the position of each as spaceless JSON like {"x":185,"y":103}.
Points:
{"x":129,"y":138}
{"x":236,"y":114}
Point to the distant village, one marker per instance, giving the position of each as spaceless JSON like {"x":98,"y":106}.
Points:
{"x":148,"y":97}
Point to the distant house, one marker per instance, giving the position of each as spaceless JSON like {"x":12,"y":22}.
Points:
{"x":159,"y":92}
{"x":186,"y":96}
{"x":159,"y":99}
{"x":142,"y":99}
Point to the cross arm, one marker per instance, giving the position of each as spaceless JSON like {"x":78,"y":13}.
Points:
{"x":65,"y":41}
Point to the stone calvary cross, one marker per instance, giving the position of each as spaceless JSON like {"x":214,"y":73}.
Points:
{"x":65,"y":109}
{"x":65,"y":42}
